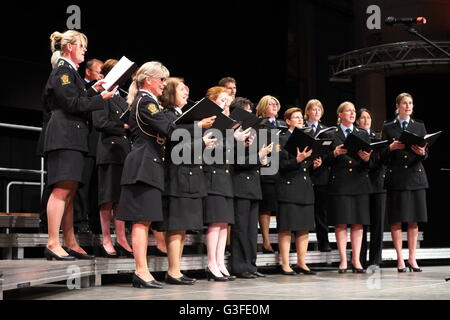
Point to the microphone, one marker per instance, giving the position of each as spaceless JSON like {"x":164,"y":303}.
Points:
{"x":407,"y":21}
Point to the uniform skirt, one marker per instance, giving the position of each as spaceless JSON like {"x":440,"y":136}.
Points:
{"x":349,"y":209}
{"x":269,"y":201}
{"x":218,"y":209}
{"x":406,"y":206}
{"x":182,"y":214}
{"x":109,"y":176}
{"x":295,"y":217}
{"x":64,"y":165}
{"x":140,"y":202}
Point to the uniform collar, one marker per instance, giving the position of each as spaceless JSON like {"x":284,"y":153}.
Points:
{"x":402,"y":120}
{"x":74,"y":66}
{"x":310,"y":124}
{"x":343,"y":128}
{"x":149,"y":93}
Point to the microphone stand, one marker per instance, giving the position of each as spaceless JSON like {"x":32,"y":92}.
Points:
{"x":413,"y":31}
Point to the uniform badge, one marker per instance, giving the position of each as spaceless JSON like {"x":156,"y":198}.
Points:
{"x":65,"y":79}
{"x":60,"y":63}
{"x":278,"y":148}
{"x":153,"y":108}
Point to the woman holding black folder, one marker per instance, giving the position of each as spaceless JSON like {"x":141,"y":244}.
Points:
{"x":377,"y":196}
{"x":143,"y":172}
{"x":185,"y":187}
{"x":295,"y":198}
{"x":349,"y":187}
{"x":66,"y":138}
{"x":406,"y":180}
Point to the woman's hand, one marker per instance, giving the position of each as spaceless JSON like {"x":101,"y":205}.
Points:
{"x":240,"y":135}
{"x":106,"y":95}
{"x":339,"y":150}
{"x":249,"y":141}
{"x":303,"y":155}
{"x":263,"y":152}
{"x":209,"y":142}
{"x":419,"y":150}
{"x":206,"y":123}
{"x":365,"y":156}
{"x":317,"y":163}
{"x":396,"y":145}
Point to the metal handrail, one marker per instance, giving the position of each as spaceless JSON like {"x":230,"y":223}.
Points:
{"x":40,"y":172}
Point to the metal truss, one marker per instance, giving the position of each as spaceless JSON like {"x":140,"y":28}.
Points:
{"x":385,"y":58}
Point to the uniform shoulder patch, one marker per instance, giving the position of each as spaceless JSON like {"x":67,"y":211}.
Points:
{"x":153,"y":108}
{"x":60,"y":63}
{"x":65,"y":79}
{"x":278,"y":148}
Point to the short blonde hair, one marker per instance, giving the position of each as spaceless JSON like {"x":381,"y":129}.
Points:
{"x":262,"y":105}
{"x":289,"y":112}
{"x":311,"y":103}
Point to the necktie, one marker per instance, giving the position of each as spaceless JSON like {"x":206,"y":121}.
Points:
{"x":348,"y":131}
{"x":404,"y":124}
{"x":313,"y":127}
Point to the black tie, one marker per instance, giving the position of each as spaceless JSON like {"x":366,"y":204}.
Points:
{"x":348,"y":131}
{"x":313,"y":127}
{"x":404,"y":124}
{"x":274,"y":122}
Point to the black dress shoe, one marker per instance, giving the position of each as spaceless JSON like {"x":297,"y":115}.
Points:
{"x":245,"y":275}
{"x":259,"y":274}
{"x":50,"y":255}
{"x":412,"y":269}
{"x":304,"y":271}
{"x":357,"y":270}
{"x":264,"y":250}
{"x":106,"y":254}
{"x":325,"y":248}
{"x":288,"y":273}
{"x":123,"y":252}
{"x":186,"y":278}
{"x":210,"y":275}
{"x":79,"y":255}
{"x":159,"y":253}
{"x":139,"y":283}
{"x":401,"y":270}
{"x":181,"y":280}
{"x":342,"y":270}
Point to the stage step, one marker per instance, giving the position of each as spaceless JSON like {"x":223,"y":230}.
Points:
{"x":19,"y":220}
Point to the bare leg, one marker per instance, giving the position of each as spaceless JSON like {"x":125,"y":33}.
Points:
{"x":301,"y":244}
{"x":284,"y":245}
{"x":105,"y":222}
{"x":220,"y":254}
{"x":56,"y":207}
{"x":356,"y":234}
{"x":264,"y":225}
{"x":174,"y":248}
{"x":160,"y":240}
{"x":341,"y":239}
{"x":121,"y":236}
{"x":212,"y":238}
{"x":139,"y":237}
{"x":413,"y":235}
{"x":396,"y":231}
{"x":68,"y":231}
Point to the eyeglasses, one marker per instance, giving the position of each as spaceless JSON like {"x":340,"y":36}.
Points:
{"x":272,"y":104}
{"x":159,"y":78}
{"x":299,"y":118}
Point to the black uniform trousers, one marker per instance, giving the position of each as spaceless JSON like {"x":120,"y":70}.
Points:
{"x":320,"y":215}
{"x":244,"y":236}
{"x":376,"y":228}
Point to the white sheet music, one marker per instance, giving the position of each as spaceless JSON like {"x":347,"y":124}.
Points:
{"x":116,"y":72}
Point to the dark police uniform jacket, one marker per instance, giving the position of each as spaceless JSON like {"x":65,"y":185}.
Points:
{"x":294,"y":184}
{"x":149,"y":127}
{"x":321,"y":175}
{"x":349,"y":175}
{"x":184,"y":180}
{"x":281,"y":125}
{"x":69,"y":101}
{"x":246,"y":175}
{"x":218,"y":176}
{"x":113,"y":143}
{"x":377,"y":172}
{"x":405,"y":170}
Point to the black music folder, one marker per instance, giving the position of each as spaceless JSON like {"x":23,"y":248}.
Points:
{"x":353,"y":144}
{"x":119,"y":74}
{"x":300,"y":139}
{"x":409,"y":139}
{"x":247,"y":119}
{"x":224,"y":122}
{"x":204,"y":108}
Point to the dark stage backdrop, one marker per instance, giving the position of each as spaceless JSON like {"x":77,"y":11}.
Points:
{"x":263,"y":44}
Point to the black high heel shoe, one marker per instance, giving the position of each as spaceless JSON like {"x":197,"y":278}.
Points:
{"x":304,"y":271}
{"x":357,"y":270}
{"x":210,"y":275}
{"x":264,"y":250}
{"x":50,"y":255}
{"x":78,"y":255}
{"x":139,"y":283}
{"x":412,"y":269}
{"x":181,"y":280}
{"x":342,"y":270}
{"x":122,"y":251}
{"x":106,"y":254}
{"x":401,"y":270}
